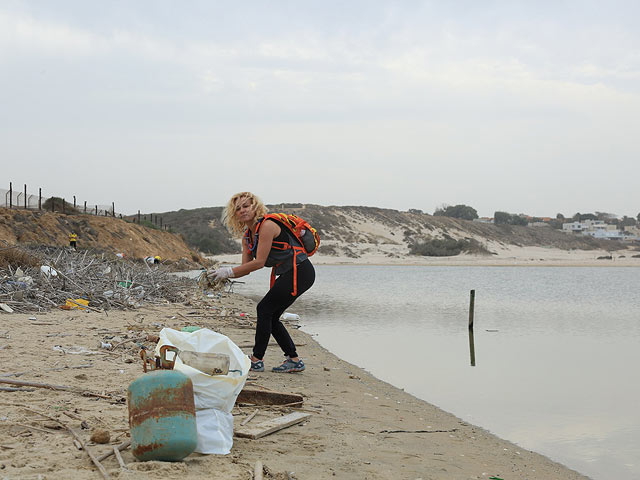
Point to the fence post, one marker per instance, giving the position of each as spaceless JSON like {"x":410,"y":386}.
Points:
{"x":25,"y":196}
{"x":85,"y":206}
{"x":96,"y":210}
{"x":160,"y":223}
{"x":138,"y":217}
{"x":113,"y":209}
{"x":10,"y":195}
{"x":53,"y":202}
{"x":63,"y":202}
{"x":40,"y":198}
{"x":74,"y":202}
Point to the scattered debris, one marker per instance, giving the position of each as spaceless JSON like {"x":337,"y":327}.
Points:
{"x":102,"y":280}
{"x":270,"y":426}
{"x":260,"y":396}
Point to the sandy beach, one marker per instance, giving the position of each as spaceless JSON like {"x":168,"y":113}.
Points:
{"x":360,"y":427}
{"x":506,"y":255}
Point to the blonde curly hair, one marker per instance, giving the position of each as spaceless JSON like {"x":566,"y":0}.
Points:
{"x":229,"y":218}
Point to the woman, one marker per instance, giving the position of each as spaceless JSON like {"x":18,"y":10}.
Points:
{"x":242,"y":217}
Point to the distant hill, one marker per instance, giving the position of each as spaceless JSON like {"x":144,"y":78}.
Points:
{"x":353,"y":230}
{"x":105,"y":234}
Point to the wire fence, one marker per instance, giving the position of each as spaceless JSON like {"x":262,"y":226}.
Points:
{"x":22,"y":199}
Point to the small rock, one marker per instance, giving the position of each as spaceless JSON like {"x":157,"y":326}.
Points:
{"x":100,"y":436}
{"x":81,"y":376}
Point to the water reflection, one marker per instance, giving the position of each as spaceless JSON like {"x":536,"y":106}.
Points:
{"x":472,"y":348}
{"x":558,"y":349}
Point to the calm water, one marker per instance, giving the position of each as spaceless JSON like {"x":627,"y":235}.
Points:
{"x":557,"y":350}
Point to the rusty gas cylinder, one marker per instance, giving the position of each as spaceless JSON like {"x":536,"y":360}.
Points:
{"x":162,"y":416}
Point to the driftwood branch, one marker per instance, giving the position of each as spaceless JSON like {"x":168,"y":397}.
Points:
{"x":63,"y":388}
{"x":124,"y":445}
{"x":93,"y":458}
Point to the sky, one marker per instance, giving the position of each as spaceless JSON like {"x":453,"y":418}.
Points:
{"x":519,"y":106}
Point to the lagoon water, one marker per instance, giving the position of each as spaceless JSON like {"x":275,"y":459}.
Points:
{"x":557,"y":349}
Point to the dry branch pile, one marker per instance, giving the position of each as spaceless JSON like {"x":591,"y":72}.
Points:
{"x":39,"y":278}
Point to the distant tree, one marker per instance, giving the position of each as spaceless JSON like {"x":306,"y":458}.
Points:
{"x":504,"y":218}
{"x":627,"y":222}
{"x":638,"y":217}
{"x":580,"y":217}
{"x":457,"y":211}
{"x":519,"y":220}
{"x":559,"y":216}
{"x":606,"y":216}
{"x":501,"y":218}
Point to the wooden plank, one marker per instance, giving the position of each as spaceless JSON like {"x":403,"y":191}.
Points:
{"x":258,"y":396}
{"x":271,"y":426}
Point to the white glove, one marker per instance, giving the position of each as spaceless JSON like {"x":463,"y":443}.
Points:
{"x":220,"y":273}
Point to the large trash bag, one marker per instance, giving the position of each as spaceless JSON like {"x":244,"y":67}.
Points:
{"x":214,"y":395}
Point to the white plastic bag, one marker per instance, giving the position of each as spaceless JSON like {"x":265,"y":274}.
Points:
{"x":215,"y":431}
{"x":214,"y":395}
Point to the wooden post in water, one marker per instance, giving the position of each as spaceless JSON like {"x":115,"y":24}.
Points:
{"x":472,"y":301}
{"x":472,"y":348}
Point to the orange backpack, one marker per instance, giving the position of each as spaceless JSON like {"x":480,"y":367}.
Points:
{"x":305,"y":234}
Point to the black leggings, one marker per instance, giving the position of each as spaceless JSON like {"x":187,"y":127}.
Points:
{"x":274,"y":303}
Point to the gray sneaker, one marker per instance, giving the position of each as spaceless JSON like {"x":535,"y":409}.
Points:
{"x":289,"y":366}
{"x":257,"y":366}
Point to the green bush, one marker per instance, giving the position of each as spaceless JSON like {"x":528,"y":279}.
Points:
{"x":447,"y":247}
{"x":457,"y":211}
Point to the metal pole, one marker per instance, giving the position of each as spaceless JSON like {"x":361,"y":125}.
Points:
{"x":10,"y":195}
{"x":113,"y":209}
{"x":472,"y":302}
{"x":25,"y":196}
{"x":74,"y":202}
{"x":39,"y":198}
{"x":96,"y":210}
{"x":138,"y":217}
{"x":85,"y":206}
{"x":63,"y":202}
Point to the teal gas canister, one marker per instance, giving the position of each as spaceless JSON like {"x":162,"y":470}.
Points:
{"x":162,"y":414}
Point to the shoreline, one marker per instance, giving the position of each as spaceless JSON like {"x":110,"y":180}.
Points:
{"x":361,"y":427}
{"x":506,"y":257}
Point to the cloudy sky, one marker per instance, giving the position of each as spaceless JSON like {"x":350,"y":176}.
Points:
{"x":522,"y":106}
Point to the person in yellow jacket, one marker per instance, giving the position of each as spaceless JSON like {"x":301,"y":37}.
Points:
{"x":73,"y":240}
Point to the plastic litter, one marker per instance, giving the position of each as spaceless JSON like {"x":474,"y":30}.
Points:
{"x":190,"y":328}
{"x":214,"y":395}
{"x":79,"y":303}
{"x":48,"y":271}
{"x":290,"y":316}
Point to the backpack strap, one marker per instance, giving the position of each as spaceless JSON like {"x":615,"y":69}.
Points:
{"x":253,"y":243}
